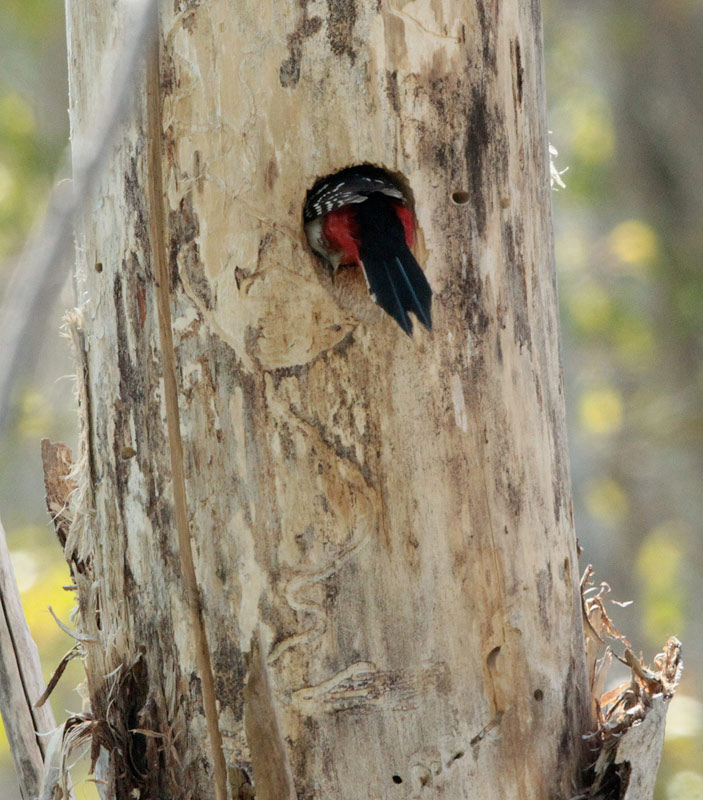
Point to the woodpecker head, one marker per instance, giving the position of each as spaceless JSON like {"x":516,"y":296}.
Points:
{"x":360,"y":219}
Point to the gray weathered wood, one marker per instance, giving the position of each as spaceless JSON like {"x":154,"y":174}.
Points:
{"x":21,"y":683}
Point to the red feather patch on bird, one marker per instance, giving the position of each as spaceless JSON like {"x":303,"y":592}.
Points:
{"x":341,"y":230}
{"x":405,"y":215}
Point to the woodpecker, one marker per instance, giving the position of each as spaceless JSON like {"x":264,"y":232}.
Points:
{"x":359,"y":221}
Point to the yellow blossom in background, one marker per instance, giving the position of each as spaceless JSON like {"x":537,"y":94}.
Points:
{"x":36,"y":602}
{"x":659,"y":566}
{"x":601,"y":410}
{"x":16,"y":115}
{"x":606,"y":501}
{"x":5,"y":759}
{"x":634,"y":243}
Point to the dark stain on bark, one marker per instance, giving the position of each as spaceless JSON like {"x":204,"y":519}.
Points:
{"x":443,"y":92}
{"x":197,"y":172}
{"x":545,"y":586}
{"x":135,"y":201}
{"x":141,"y":302}
{"x":196,"y":694}
{"x":289,"y":71}
{"x":229,"y":670}
{"x":477,"y":319}
{"x":271,"y":173}
{"x":564,"y":747}
{"x":264,"y":244}
{"x":513,"y":493}
{"x":556,"y":490}
{"x":131,"y":392}
{"x":513,"y":244}
{"x":519,"y":70}
{"x":488,"y":20}
{"x":560,"y":479}
{"x":439,"y":91}
{"x":184,"y":252}
{"x":287,"y":444}
{"x":538,"y":391}
{"x":433,"y":149}
{"x":167,"y":78}
{"x":572,"y":747}
{"x":392,"y":89}
{"x":341,"y":18}
{"x":331,"y":594}
{"x":478,"y":139}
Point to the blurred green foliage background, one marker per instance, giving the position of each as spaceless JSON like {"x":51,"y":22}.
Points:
{"x":625,"y":95}
{"x":33,"y":156}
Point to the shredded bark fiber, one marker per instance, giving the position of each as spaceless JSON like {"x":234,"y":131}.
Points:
{"x":629,"y":720}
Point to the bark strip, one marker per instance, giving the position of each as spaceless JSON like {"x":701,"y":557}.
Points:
{"x":162,"y":288}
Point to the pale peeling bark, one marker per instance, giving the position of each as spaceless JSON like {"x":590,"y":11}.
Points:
{"x":383,"y":599}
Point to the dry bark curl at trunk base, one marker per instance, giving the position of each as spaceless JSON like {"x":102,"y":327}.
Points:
{"x":312,"y":554}
{"x":631,"y":718}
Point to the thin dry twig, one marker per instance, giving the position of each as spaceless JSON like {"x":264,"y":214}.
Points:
{"x":74,"y":652}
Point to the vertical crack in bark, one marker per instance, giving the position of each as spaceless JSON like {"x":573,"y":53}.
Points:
{"x":158,"y":240}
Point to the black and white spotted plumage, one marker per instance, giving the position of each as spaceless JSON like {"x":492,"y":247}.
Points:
{"x":350,"y":185}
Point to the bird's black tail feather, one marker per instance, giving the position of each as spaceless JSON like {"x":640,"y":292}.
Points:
{"x":399,"y":286}
{"x":396,"y":281}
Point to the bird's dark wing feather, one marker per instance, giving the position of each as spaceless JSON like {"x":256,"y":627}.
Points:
{"x":351,"y":185}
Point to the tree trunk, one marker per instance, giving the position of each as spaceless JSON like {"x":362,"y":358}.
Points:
{"x":315,"y":554}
